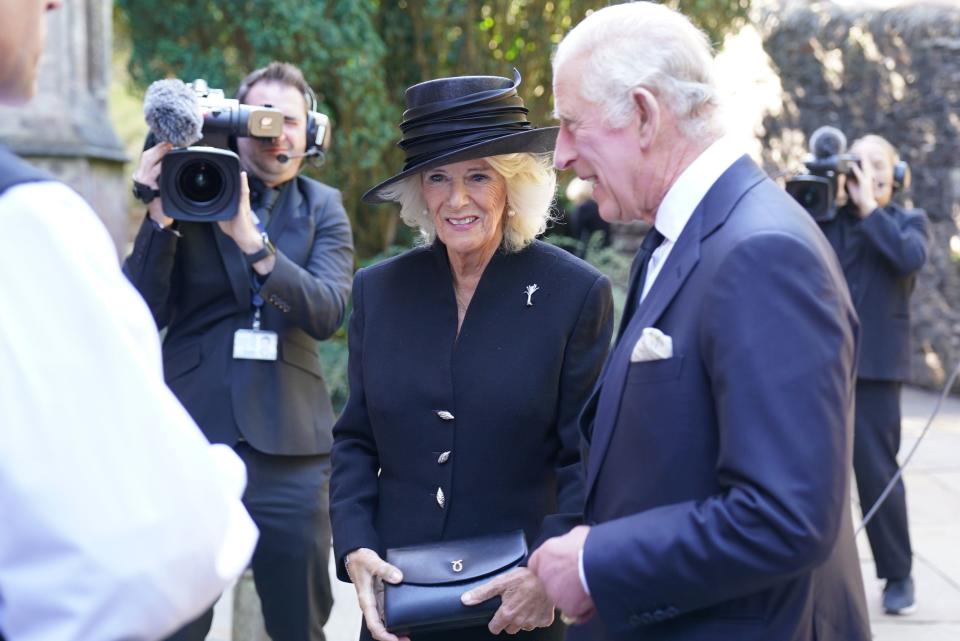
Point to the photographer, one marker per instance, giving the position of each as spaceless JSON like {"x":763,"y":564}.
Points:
{"x":881,"y":247}
{"x":245,"y":303}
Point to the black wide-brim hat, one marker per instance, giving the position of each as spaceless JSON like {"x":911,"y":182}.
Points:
{"x":454,"y":119}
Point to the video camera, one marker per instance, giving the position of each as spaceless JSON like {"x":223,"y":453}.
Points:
{"x":816,"y":191}
{"x":200,"y":177}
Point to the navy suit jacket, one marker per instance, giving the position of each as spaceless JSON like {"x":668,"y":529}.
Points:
{"x":199,"y":288}
{"x":514,"y":381}
{"x":881,"y":255}
{"x":718,"y":479}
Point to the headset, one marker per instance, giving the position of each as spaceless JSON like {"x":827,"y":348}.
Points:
{"x":318,"y":128}
{"x":901,"y":176}
{"x":318,"y":125}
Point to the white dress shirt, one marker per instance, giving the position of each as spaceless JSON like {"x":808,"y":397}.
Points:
{"x":681,"y":200}
{"x":119,"y":520}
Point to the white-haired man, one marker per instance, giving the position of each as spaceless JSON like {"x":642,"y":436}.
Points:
{"x":120,"y":521}
{"x":720,"y":431}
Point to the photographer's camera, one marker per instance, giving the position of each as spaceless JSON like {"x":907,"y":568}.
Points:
{"x":817,"y":190}
{"x":200,"y":178}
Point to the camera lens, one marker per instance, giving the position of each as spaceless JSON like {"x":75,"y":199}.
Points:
{"x":200,"y":181}
{"x":811,"y":198}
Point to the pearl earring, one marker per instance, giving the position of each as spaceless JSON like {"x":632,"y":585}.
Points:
{"x":511,"y":213}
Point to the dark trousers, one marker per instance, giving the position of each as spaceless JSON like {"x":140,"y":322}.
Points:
{"x":287,"y":497}
{"x":875,"y":446}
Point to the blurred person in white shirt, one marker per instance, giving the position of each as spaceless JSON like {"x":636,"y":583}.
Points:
{"x":120,"y":521}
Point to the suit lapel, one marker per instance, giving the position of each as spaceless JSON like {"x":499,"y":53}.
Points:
{"x":709,"y":215}
{"x":235,"y":265}
{"x":682,"y":259}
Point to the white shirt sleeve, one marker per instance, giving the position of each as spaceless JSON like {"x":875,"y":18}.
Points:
{"x":120,"y":521}
{"x":582,"y":573}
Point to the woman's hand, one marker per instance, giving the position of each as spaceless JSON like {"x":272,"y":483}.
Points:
{"x":368,"y":572}
{"x":525,"y":604}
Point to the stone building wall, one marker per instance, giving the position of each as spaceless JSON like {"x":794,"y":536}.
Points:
{"x":66,"y":128}
{"x":895,"y":72}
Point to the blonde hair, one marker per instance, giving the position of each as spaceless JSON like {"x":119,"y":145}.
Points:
{"x":645,"y":44}
{"x":531,"y":183}
{"x":882,"y":143}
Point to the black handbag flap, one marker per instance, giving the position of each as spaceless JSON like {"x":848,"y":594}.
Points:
{"x":457,"y":561}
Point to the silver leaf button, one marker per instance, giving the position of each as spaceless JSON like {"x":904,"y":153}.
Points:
{"x":443,"y":458}
{"x":441,"y":499}
{"x":445,"y":415}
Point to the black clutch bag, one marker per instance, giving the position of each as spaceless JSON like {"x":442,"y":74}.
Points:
{"x":436,"y":574}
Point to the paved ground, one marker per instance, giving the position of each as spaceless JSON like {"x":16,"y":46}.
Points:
{"x":933,"y":505}
{"x":933,"y":498}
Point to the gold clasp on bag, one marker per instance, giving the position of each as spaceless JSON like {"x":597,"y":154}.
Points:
{"x":457,"y":565}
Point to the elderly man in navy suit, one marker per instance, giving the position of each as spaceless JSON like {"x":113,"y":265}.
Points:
{"x":720,"y":432}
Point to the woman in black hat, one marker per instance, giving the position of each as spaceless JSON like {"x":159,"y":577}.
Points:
{"x":470,"y":357}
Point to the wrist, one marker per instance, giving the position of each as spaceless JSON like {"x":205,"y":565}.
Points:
{"x":256,"y":251}
{"x":251,"y":244}
{"x":162,"y":223}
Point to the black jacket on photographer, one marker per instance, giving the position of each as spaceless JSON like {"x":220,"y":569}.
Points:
{"x":881,"y":255}
{"x":199,"y":287}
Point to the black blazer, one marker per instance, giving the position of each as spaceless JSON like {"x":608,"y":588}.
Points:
{"x":881,"y":255}
{"x":514,"y":381}
{"x":199,"y":288}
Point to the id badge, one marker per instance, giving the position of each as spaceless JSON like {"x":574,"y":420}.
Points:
{"x":255,"y":344}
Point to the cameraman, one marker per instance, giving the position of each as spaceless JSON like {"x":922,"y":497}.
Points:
{"x":206,"y":284}
{"x":881,"y":247}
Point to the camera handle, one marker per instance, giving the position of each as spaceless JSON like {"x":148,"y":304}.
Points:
{"x":889,"y":488}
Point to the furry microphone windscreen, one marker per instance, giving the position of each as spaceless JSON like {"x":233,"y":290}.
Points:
{"x":173,"y":113}
{"x":827,"y":141}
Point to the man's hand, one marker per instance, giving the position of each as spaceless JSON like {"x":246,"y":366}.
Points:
{"x":243,"y":230}
{"x":148,"y":173}
{"x":556,"y":562}
{"x":524,"y":602}
{"x":861,"y":189}
{"x":368,"y":571}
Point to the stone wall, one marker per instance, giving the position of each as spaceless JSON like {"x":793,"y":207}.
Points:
{"x":66,"y":128}
{"x":894,"y":72}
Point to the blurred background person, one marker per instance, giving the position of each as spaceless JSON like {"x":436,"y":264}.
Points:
{"x":585,"y":218}
{"x":120,"y":521}
{"x":882,"y":247}
{"x":470,"y":358}
{"x":278,"y":271}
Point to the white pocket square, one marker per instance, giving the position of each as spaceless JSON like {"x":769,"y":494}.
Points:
{"x":653,"y":345}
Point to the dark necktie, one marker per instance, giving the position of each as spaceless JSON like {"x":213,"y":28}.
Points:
{"x":638,"y":274}
{"x":262,"y":200}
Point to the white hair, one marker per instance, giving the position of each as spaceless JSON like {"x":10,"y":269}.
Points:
{"x":645,"y":44}
{"x":531,"y":183}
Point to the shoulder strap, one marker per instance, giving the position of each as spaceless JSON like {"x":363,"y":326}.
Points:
{"x":14,"y":171}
